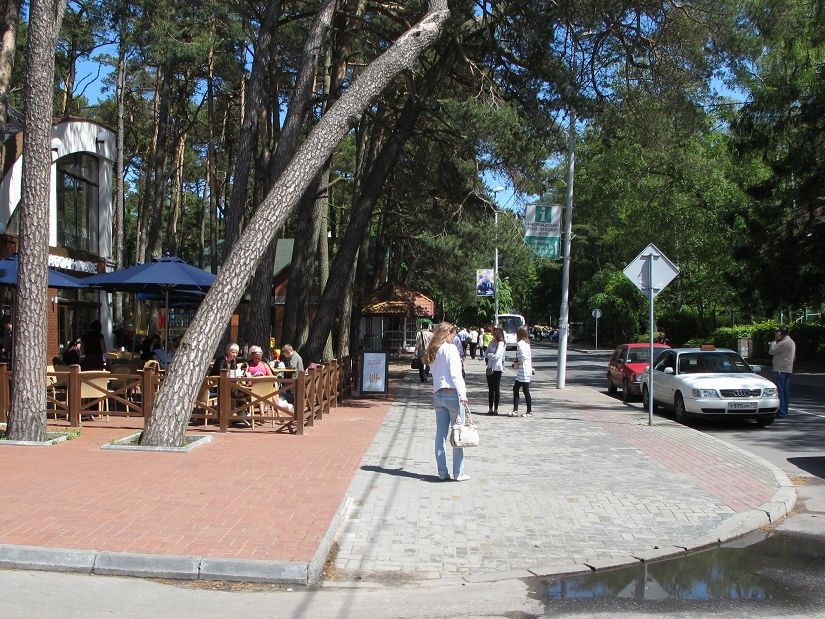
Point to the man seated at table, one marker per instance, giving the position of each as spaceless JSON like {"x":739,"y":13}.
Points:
{"x":292,"y":359}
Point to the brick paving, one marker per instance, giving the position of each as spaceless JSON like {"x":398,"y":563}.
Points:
{"x":584,"y":481}
{"x":246,"y":495}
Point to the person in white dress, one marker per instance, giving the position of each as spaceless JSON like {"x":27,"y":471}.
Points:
{"x":524,"y":372}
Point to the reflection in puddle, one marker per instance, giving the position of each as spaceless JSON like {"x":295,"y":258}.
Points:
{"x":774,"y":567}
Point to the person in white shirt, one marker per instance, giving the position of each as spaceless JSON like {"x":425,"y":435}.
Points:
{"x":524,"y":371}
{"x":495,"y":368}
{"x":473,"y":343}
{"x":449,"y":397}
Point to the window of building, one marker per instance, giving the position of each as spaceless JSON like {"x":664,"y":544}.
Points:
{"x":77,"y":202}
{"x":75,"y":310}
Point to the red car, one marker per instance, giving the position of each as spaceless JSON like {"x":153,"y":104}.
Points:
{"x":628,"y":363}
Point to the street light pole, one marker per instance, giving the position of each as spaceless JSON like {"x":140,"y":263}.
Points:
{"x":564,"y":331}
{"x":495,"y":272}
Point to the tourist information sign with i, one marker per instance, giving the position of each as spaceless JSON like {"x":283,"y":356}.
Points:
{"x":651,"y":272}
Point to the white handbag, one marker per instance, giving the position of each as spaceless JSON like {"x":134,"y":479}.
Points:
{"x":464,"y":435}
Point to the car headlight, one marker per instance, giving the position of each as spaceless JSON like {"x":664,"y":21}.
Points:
{"x":769,"y":392}
{"x":705,"y":393}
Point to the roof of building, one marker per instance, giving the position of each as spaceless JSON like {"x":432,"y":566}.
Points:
{"x":396,"y":300}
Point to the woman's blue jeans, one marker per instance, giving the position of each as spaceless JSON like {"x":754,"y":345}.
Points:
{"x":448,"y":411}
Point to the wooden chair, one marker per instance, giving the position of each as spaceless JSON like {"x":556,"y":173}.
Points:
{"x":206,"y":400}
{"x":56,"y":389}
{"x":95,"y":386}
{"x":262,"y":397}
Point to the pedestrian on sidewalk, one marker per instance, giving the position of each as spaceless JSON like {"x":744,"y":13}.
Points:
{"x":422,"y":340}
{"x":449,"y":397}
{"x":783,"y":351}
{"x":473,"y":342}
{"x":495,"y":368}
{"x":524,"y":372}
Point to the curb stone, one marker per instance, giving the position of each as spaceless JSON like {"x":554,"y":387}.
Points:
{"x":47,"y":559}
{"x":147,"y":565}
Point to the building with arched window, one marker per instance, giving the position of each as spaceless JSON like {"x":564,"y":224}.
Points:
{"x":80,"y":220}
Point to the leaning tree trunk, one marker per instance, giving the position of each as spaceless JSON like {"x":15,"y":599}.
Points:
{"x":27,"y":416}
{"x":177,"y":395}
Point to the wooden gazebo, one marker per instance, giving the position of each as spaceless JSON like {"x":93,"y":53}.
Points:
{"x":393,"y":315}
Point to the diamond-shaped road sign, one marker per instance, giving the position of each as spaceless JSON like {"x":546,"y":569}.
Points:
{"x":651,"y":269}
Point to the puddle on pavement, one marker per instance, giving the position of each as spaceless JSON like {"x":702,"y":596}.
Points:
{"x":762,"y":569}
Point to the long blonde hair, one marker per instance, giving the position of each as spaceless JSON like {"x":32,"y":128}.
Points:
{"x":442,"y":332}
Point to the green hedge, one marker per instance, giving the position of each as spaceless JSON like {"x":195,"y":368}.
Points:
{"x":809,"y":338}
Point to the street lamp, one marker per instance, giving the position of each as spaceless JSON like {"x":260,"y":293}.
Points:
{"x":561,"y":368}
{"x":495,"y":271}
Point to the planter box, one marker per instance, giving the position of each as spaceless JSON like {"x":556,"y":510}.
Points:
{"x":127,"y":444}
{"x":52,"y":439}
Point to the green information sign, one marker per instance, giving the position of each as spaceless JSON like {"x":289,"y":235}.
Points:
{"x":542,"y":223}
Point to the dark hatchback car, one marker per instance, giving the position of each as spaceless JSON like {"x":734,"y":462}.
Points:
{"x":628,"y":363}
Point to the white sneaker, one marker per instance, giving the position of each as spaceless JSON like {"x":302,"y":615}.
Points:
{"x":443,"y":478}
{"x":462,"y":477}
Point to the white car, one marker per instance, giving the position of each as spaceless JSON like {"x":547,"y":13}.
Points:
{"x":709,"y":382}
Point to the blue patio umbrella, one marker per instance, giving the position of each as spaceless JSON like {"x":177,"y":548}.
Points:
{"x":161,"y":275}
{"x":57,"y":279}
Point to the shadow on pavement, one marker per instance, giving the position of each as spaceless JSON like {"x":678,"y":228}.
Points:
{"x":401,"y":473}
{"x":813,"y":465}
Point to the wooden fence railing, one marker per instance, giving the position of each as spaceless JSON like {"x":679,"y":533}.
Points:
{"x":291,"y":402}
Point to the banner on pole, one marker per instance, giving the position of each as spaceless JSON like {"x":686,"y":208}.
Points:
{"x":485,"y":282}
{"x":542,"y":229}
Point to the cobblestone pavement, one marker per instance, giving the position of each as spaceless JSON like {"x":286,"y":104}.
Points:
{"x":584,"y":482}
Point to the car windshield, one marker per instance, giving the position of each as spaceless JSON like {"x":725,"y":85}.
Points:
{"x":642,"y":355}
{"x":712,"y":362}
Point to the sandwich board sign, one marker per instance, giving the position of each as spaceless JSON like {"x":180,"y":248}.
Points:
{"x":651,"y":272}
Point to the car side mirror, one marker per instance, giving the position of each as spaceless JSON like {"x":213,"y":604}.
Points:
{"x":668,"y":370}
{"x":757,"y":368}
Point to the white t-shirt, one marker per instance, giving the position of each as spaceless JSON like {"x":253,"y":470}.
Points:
{"x":524,"y":357}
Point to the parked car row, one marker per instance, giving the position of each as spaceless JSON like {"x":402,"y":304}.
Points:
{"x":693,"y":382}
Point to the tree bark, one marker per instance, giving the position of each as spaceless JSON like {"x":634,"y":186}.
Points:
{"x":367,"y":199}
{"x":118,"y":234}
{"x":8,"y":42}
{"x":27,"y":414}
{"x":260,"y":314}
{"x":236,"y":209}
{"x":177,"y":395}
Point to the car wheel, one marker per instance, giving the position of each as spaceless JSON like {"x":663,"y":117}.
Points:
{"x":679,"y":413}
{"x":611,"y":388}
{"x":625,"y":392}
{"x":646,"y":399}
{"x":764,"y":420}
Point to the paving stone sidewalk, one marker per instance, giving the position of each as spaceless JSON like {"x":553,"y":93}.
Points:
{"x":585,"y":483}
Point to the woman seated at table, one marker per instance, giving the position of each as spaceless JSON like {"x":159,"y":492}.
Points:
{"x":256,"y":366}
{"x":228,"y":361}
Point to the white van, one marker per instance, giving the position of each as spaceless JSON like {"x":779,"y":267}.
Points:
{"x":510,"y":323}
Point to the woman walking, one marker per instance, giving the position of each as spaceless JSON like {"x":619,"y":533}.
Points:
{"x":495,"y":367}
{"x":449,"y":397}
{"x":524,"y":371}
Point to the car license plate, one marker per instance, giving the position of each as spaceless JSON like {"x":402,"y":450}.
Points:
{"x":742,"y":406}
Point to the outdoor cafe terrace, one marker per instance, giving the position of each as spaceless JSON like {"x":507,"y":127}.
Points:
{"x":287,"y":403}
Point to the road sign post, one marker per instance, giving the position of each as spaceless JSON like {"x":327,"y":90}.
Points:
{"x":597,"y":313}
{"x":651,"y":272}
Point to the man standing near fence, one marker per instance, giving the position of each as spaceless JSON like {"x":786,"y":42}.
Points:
{"x":783,"y":351}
